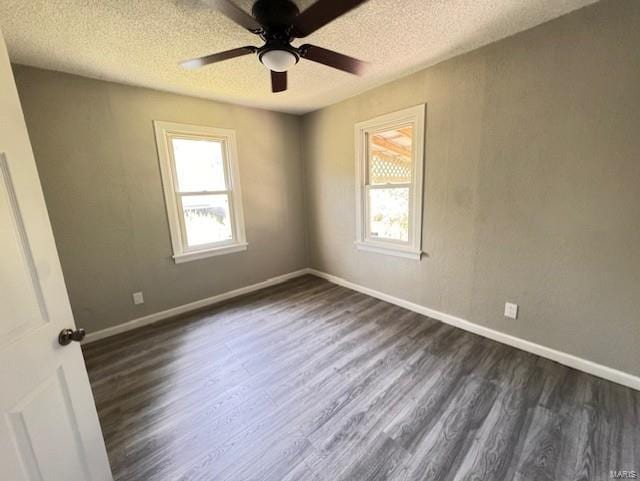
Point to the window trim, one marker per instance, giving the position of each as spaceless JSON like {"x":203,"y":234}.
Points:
{"x":164,"y":132}
{"x":411,"y":249}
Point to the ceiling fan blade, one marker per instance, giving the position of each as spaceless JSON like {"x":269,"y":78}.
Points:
{"x":278,"y":81}
{"x":235,"y":13}
{"x":333,"y":59}
{"x":321,"y":13}
{"x":216,"y":57}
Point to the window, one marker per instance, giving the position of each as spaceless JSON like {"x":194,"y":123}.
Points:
{"x":202,"y":190}
{"x":389,"y":155}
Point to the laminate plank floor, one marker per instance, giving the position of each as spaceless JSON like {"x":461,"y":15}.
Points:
{"x":307,"y":380}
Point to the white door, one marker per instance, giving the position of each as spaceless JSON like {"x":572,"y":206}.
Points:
{"x":49,"y":428}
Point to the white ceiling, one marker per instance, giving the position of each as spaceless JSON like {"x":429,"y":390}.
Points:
{"x":140,"y":42}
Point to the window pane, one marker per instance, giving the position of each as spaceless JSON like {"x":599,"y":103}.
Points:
{"x":199,"y":165}
{"x":389,"y":213}
{"x":390,"y":156}
{"x":206,"y":219}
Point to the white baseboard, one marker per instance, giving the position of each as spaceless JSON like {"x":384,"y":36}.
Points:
{"x":192,"y":306}
{"x":570,"y":360}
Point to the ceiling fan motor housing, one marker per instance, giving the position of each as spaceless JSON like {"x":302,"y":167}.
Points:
{"x":275,"y":45}
{"x":276,"y":15}
{"x":277,"y":18}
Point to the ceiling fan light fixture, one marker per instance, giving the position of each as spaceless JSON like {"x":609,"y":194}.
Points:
{"x":278,"y":23}
{"x":278,"y":60}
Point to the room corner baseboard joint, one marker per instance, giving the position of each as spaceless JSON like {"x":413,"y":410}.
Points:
{"x":581,"y":364}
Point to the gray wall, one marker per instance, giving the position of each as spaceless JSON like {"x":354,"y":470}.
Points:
{"x":532,"y":185}
{"x":96,"y":155}
{"x":532,"y":188}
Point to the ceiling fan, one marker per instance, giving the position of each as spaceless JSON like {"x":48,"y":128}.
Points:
{"x":278,"y":23}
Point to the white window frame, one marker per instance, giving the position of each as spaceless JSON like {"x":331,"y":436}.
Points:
{"x":165,"y":131}
{"x":412,"y":249}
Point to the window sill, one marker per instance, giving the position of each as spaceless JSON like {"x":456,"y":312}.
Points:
{"x":390,"y":250}
{"x":215,"y":251}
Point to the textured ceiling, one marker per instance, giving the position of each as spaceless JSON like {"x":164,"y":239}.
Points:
{"x":140,"y":42}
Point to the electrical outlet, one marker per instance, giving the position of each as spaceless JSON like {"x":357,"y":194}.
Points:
{"x":138,"y":298}
{"x":511,"y":310}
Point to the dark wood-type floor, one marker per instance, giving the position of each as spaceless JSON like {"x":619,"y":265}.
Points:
{"x":310,"y":381}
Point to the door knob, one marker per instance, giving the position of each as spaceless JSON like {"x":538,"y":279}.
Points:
{"x":67,"y":335}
